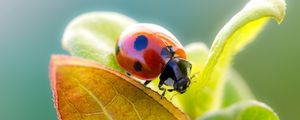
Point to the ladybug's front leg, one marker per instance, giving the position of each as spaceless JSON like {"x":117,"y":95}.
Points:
{"x":146,"y":83}
{"x":160,"y":84}
{"x":163,"y":94}
{"x":128,"y":74}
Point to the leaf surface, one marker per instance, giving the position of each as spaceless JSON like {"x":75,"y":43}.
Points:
{"x":238,"y":32}
{"x":235,"y":89}
{"x":251,"y":110}
{"x":94,"y":35}
{"x":232,"y":38}
{"x":85,"y":90}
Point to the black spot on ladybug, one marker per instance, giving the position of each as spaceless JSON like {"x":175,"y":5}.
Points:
{"x":140,"y":43}
{"x":117,"y":49}
{"x":137,"y":66}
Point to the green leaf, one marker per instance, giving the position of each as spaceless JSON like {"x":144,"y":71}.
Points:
{"x":232,"y":38}
{"x":235,"y":89}
{"x":238,"y":32}
{"x":251,"y":110}
{"x":93,"y":36}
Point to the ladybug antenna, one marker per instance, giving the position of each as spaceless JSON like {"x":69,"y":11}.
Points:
{"x":193,"y":76}
{"x":173,"y":96}
{"x":192,"y":81}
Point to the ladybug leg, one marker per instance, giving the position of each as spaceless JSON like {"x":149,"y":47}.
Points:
{"x":128,"y":74}
{"x":161,"y":88}
{"x":146,"y":83}
{"x":160,"y":84}
{"x":163,"y":94}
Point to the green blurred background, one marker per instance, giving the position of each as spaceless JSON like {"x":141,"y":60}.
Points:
{"x":31,"y":30}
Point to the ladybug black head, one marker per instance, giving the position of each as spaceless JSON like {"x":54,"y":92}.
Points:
{"x":182,"y":84}
{"x":177,"y":73}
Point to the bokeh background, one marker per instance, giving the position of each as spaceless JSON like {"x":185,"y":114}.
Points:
{"x":31,"y":30}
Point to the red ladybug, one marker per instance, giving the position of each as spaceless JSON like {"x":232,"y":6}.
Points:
{"x":147,"y":51}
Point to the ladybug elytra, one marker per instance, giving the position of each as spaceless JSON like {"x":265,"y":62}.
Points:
{"x":147,"y":51}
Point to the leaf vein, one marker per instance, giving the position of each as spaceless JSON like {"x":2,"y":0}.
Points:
{"x":71,"y":104}
{"x":96,"y":99}
{"x":111,"y":101}
{"x":135,"y":110}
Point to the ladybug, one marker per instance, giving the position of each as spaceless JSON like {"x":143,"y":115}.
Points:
{"x":147,"y":51}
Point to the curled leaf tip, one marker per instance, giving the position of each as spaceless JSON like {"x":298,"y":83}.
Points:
{"x":282,"y":11}
{"x":267,"y":8}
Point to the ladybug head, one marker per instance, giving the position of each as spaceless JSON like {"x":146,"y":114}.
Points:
{"x":177,"y":72}
{"x":182,"y":84}
{"x":183,"y":80}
